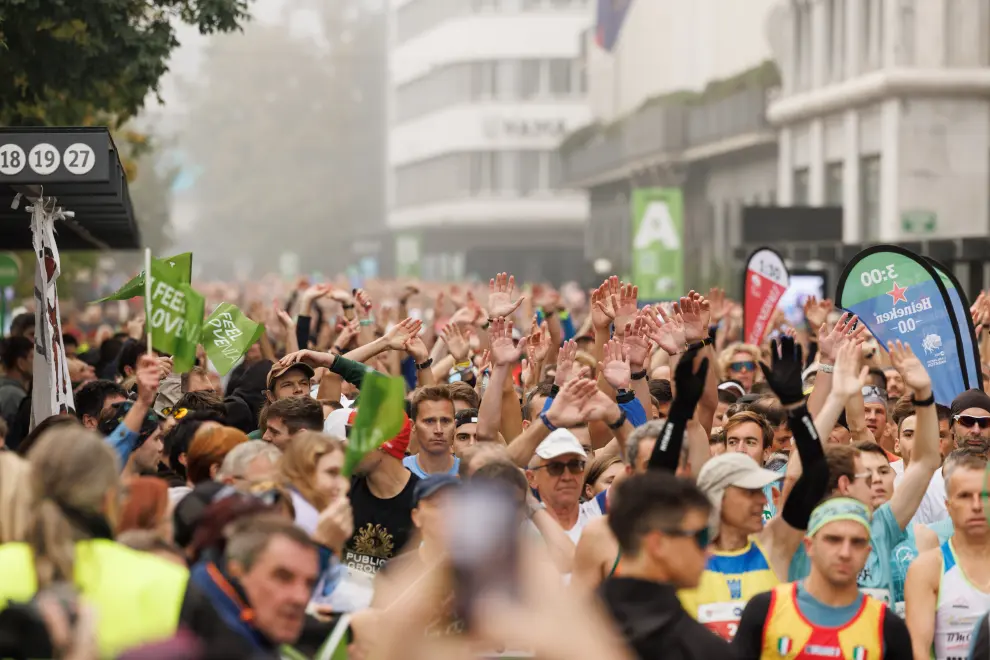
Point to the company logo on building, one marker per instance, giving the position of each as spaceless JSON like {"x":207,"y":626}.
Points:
{"x":657,"y":225}
{"x":922,"y":305}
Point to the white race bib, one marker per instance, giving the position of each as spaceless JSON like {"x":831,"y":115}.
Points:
{"x":722,"y":618}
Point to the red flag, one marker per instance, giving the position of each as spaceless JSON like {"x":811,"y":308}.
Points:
{"x":766,"y":280}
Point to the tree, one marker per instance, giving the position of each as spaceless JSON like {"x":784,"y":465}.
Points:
{"x":64,"y":62}
{"x":275,"y":128}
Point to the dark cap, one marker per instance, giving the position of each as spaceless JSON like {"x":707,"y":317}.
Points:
{"x":971,"y":399}
{"x":427,"y":488}
{"x":466,"y":416}
{"x":278,"y":370}
{"x":191,"y":508}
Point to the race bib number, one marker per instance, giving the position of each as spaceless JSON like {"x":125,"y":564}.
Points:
{"x":722,"y":618}
{"x":883,"y":595}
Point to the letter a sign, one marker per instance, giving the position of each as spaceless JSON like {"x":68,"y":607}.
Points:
{"x":657,"y":254}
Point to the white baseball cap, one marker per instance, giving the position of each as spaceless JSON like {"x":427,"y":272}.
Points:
{"x":336,"y":423}
{"x":559,"y":443}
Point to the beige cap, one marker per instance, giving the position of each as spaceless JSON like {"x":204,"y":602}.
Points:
{"x":730,"y":469}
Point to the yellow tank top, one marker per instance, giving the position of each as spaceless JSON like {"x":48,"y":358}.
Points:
{"x":137,"y":596}
{"x":729,"y":581}
{"x":787,"y":635}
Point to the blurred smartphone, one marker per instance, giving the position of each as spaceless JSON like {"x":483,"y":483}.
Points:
{"x":484,"y":547}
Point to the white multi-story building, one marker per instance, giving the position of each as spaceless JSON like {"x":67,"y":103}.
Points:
{"x":885,"y":111}
{"x":482,"y":91}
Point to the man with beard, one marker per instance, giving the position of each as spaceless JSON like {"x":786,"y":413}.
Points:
{"x":970,"y":420}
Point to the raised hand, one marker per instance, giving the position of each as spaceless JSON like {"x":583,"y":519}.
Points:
{"x":567,"y":409}
{"x":627,"y":307}
{"x":719,"y":308}
{"x":565,"y":363}
{"x":694,"y":317}
{"x":600,"y":406}
{"x":603,"y":306}
{"x":311,"y":295}
{"x":312,"y":358}
{"x":456,"y":342}
{"x":465,"y":316}
{"x":347,"y":334}
{"x":147,"y":376}
{"x":830,"y":340}
{"x":669,"y":335}
{"x":538,"y":344}
{"x":399,"y":334}
{"x":503,"y":350}
{"x":909,"y":367}
{"x":614,"y":366}
{"x":636,"y":344}
{"x":848,"y":378}
{"x":500,"y":296}
{"x":784,"y":373}
{"x":363,"y":301}
{"x":342,"y":296}
{"x":408,"y":292}
{"x":816,"y":312}
{"x":284,"y":320}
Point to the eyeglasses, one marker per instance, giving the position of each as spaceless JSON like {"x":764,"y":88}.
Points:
{"x":177,"y":413}
{"x":873,"y":390}
{"x":969,"y":421}
{"x":556,"y":468}
{"x":700,"y":535}
{"x":743,"y":366}
{"x":865,"y":476}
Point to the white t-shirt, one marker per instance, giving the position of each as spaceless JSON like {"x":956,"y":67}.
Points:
{"x":932,"y":507}
{"x":898,"y":468}
{"x":587,"y":512}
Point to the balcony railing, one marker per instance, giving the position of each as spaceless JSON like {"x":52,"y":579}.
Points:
{"x":665,"y":130}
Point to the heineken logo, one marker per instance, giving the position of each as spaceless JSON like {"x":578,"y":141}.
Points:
{"x":925,"y":304}
{"x":225,"y":333}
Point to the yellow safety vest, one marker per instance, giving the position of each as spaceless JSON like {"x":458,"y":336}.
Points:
{"x":137,"y":596}
{"x":788,"y":635}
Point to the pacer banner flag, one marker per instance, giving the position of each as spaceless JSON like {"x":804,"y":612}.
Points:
{"x":766,"y":281}
{"x":899,"y":295}
{"x":960,"y":306}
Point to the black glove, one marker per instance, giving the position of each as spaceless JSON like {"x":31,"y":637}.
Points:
{"x":784,"y":374}
{"x":688,"y":384}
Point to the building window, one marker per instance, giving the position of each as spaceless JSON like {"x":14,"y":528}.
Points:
{"x":801,"y":187}
{"x":484,"y":80}
{"x":528,"y":172}
{"x":833,"y":184}
{"x":529,"y":79}
{"x":837,"y":38}
{"x":487,"y":5}
{"x":869,"y":196}
{"x":561,"y":81}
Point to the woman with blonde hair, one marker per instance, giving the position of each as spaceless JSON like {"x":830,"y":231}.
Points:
{"x":311,"y":469}
{"x":741,"y":363}
{"x":75,"y":485}
{"x":15,"y":496}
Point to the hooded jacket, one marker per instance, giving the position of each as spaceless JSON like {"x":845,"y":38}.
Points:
{"x":654,"y":624}
{"x":247,"y":398}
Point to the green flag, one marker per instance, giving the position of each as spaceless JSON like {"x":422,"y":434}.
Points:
{"x":381,"y":414}
{"x":181,"y":264}
{"x":227,"y":335}
{"x":175,"y":313}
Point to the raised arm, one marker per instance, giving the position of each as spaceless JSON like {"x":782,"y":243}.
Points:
{"x":689,"y":386}
{"x":503,"y":355}
{"x":925,"y":455}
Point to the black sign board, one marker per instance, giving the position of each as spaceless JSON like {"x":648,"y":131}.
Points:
{"x":772,"y":224}
{"x":81,"y":170}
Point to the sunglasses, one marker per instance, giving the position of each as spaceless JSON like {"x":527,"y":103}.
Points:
{"x":969,"y":421}
{"x":557,"y":468}
{"x":177,"y":413}
{"x":701,"y":536}
{"x":865,"y":476}
{"x":743,"y":366}
{"x":873,"y":390}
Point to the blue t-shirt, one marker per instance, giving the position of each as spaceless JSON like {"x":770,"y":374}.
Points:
{"x":876,"y":577}
{"x":412,"y":464}
{"x":907,"y":551}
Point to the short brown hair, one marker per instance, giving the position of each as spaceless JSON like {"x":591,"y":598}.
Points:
{"x":903,"y":408}
{"x":434,"y":393}
{"x":464,"y":393}
{"x":748,"y":416}
{"x":841,"y":461}
{"x":208,"y":448}
{"x":770,"y":409}
{"x":298,"y":413}
{"x":202,"y":400}
{"x":869,"y":447}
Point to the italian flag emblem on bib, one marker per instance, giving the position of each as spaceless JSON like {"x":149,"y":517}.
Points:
{"x":784,"y":645}
{"x":859,"y":653}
